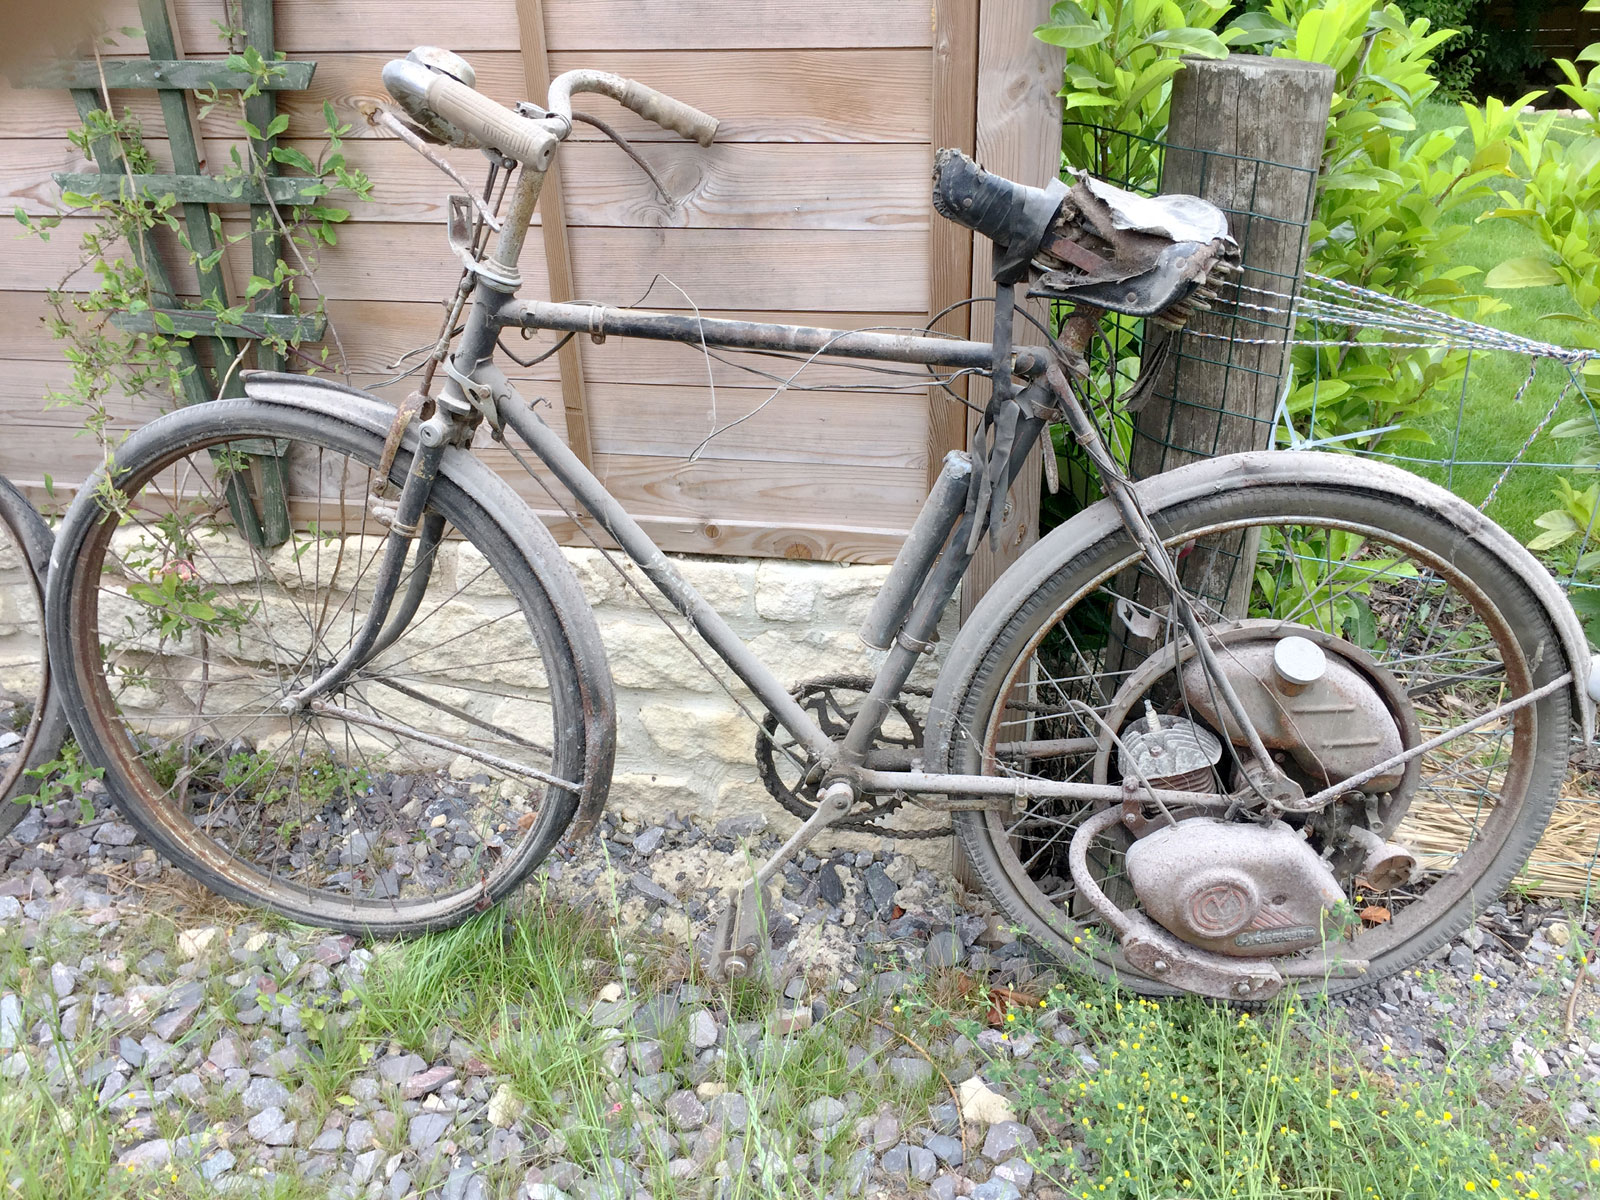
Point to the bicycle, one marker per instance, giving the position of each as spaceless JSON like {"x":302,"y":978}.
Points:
{"x":32,"y":723}
{"x":1180,"y":739}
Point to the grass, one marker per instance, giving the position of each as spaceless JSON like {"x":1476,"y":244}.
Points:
{"x":1179,"y":1098}
{"x":1197,"y":1099}
{"x":1491,"y":429}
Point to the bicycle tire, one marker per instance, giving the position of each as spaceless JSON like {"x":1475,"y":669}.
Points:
{"x":47,"y":723}
{"x":135,"y":752}
{"x":1060,"y":573}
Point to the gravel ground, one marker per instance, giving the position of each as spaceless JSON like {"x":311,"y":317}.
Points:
{"x":851,"y":927}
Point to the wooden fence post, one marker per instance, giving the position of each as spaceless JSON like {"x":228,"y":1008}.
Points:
{"x":1247,"y":134}
{"x":1019,"y":137}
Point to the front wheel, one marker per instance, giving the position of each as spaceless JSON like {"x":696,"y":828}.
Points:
{"x":1440,"y":623}
{"x":423,"y":788}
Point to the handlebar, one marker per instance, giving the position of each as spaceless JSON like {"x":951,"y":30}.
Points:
{"x":460,"y":114}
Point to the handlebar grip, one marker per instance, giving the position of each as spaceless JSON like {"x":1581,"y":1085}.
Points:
{"x":680,"y":118}
{"x":487,"y":121}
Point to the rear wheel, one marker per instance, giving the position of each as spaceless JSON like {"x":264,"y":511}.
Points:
{"x":1447,"y":624}
{"x":417,"y":792}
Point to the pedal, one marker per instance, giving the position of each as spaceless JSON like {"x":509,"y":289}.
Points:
{"x":738,"y":942}
{"x":739,"y":939}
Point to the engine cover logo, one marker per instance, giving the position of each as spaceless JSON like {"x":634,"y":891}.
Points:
{"x":1219,"y":908}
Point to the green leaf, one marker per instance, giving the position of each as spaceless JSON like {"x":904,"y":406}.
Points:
{"x":1072,"y":37}
{"x":1256,"y":28}
{"x":1528,"y":271}
{"x":163,"y":322}
{"x":291,"y":157}
{"x":278,"y":124}
{"x":1191,"y":41}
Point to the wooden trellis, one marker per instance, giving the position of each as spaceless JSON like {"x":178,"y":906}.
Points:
{"x":172,"y":76}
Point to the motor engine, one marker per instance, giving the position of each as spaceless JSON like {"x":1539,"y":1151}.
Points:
{"x":1242,"y":890}
{"x":1248,"y":889}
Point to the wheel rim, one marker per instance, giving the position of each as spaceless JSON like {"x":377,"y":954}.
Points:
{"x":1478,"y":781}
{"x":24,"y":679}
{"x":355,"y":815}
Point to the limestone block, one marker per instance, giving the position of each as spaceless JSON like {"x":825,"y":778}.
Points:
{"x":647,"y":656}
{"x":786,"y":591}
{"x":474,"y":575}
{"x":595,"y":576}
{"x":728,"y":584}
{"x":221,"y":556}
{"x":488,"y":641}
{"x":638,"y":796}
{"x":307,"y":562}
{"x":694,"y":731}
{"x":796,"y":654}
{"x":845,"y":594}
{"x":131,"y":625}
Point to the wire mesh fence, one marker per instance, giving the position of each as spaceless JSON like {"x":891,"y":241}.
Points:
{"x":1289,"y":358}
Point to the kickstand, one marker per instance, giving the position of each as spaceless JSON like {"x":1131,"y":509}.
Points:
{"x":740,"y":937}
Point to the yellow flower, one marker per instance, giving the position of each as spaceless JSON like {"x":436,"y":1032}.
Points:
{"x":1470,"y":1186}
{"x":1011,"y":1016}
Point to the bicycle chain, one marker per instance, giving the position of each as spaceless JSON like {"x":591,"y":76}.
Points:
{"x":818,"y":695}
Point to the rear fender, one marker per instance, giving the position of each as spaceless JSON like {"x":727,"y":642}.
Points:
{"x":1258,"y":469}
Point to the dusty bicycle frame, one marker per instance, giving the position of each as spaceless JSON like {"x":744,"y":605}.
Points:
{"x":924,"y":578}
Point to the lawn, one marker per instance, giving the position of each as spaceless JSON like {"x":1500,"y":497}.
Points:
{"x":1484,"y":424}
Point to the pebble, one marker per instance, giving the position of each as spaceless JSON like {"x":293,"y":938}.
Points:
{"x":703,"y":1030}
{"x":910,"y":1072}
{"x":946,"y":1149}
{"x":1007,"y":1138}
{"x":263,"y":1093}
{"x":505,"y":1107}
{"x":271,"y":1127}
{"x":426,"y":1129}
{"x":397,"y":1068}
{"x":11,"y":1027}
{"x":944,"y":949}
{"x":981,"y":1105}
{"x":424,"y":1082}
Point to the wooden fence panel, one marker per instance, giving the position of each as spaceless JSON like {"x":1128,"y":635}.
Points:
{"x":811,"y":208}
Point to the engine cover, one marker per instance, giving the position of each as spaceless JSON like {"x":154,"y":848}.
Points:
{"x":1249,"y":891}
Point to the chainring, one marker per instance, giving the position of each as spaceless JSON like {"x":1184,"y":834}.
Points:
{"x":787,"y":767}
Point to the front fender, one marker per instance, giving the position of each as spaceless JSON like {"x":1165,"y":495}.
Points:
{"x":1206,"y":477}
{"x":335,"y":402}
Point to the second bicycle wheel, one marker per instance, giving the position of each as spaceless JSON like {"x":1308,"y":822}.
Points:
{"x":423,"y":788}
{"x":32,"y":725}
{"x":1440,"y":628}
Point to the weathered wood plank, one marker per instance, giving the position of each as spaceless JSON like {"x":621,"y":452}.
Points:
{"x":716,"y":489}
{"x":955,"y":99}
{"x":735,"y":186}
{"x":310,"y":26}
{"x":552,"y":214}
{"x":864,"y":428}
{"x":249,"y":325}
{"x":376,"y":333}
{"x":759,"y":96}
{"x":195,"y":189}
{"x":1018,"y":136}
{"x":770,"y":270}
{"x":182,"y":74}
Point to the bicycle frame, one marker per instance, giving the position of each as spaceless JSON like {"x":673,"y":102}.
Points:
{"x":913,"y":597}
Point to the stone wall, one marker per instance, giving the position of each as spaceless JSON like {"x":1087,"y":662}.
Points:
{"x":682,"y":743}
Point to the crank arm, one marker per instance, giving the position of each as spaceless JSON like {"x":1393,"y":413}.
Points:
{"x":740,"y":934}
